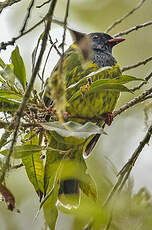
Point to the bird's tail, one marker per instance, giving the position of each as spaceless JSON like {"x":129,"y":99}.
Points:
{"x":91,"y":144}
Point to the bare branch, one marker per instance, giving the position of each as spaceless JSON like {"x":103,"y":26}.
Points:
{"x":143,"y":83}
{"x":126,"y":170}
{"x":27,"y":16}
{"x":133,"y":29}
{"x":125,"y":16}
{"x":65,"y":25}
{"x":55,"y":47}
{"x":7,"y":3}
{"x":144,"y":62}
{"x":4,"y":45}
{"x":18,"y":116}
{"x":133,"y":102}
{"x":46,"y":63}
{"x":43,"y":4}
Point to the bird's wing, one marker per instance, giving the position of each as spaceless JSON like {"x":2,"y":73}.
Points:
{"x":71,"y":62}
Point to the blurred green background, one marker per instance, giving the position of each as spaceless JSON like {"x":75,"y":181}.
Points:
{"x":126,"y":131}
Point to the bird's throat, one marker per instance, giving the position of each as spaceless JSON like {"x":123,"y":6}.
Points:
{"x":103,"y":59}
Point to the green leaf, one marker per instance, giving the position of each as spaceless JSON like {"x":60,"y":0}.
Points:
{"x":119,"y":80}
{"x":4,"y":137}
{"x":9,"y":95}
{"x":123,"y":79}
{"x":8,"y":74}
{"x":34,"y":167}
{"x":127,"y":78}
{"x":98,"y":81}
{"x":112,"y":86}
{"x":73,"y":129}
{"x":2,"y":64}
{"x":19,"y":68}
{"x":8,"y":105}
{"x":50,"y":210}
{"x":1,"y":80}
{"x":23,"y":151}
{"x":99,"y":86}
{"x":53,"y":159}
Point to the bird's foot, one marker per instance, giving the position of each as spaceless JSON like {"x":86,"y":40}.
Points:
{"x":108,"y":117}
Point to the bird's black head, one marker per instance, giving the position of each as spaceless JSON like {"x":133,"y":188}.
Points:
{"x":103,"y":42}
{"x":101,"y":45}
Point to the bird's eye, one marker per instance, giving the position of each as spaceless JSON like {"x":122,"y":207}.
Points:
{"x":95,"y":37}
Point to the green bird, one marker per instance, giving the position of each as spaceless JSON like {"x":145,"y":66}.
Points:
{"x":80,"y":64}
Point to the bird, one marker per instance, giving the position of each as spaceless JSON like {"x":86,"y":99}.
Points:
{"x":85,"y":56}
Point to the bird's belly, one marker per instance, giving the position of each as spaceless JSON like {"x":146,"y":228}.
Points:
{"x":94,"y":105}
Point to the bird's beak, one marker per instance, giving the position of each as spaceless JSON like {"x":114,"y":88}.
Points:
{"x":115,"y":41}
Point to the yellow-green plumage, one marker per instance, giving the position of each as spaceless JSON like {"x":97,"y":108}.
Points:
{"x":75,"y":68}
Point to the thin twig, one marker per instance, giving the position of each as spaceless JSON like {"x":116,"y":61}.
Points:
{"x":144,"y":62}
{"x":18,"y":116}
{"x":113,"y":191}
{"x":133,"y":29}
{"x":43,"y":4}
{"x":4,"y":45}
{"x":143,"y":83}
{"x":46,"y":63}
{"x":126,"y":170}
{"x":125,"y":16}
{"x":27,"y":16}
{"x":133,"y":102}
{"x":65,"y":25}
{"x":55,"y":47}
{"x":64,"y":34}
{"x":7,"y":3}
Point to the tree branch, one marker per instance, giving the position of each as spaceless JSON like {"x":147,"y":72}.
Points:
{"x":125,"y":16}
{"x":43,"y":4}
{"x":126,"y":170}
{"x":3,"y":45}
{"x":27,"y":16}
{"x":7,"y":3}
{"x":143,"y":83}
{"x":133,"y":102}
{"x":133,"y":29}
{"x":144,"y":62}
